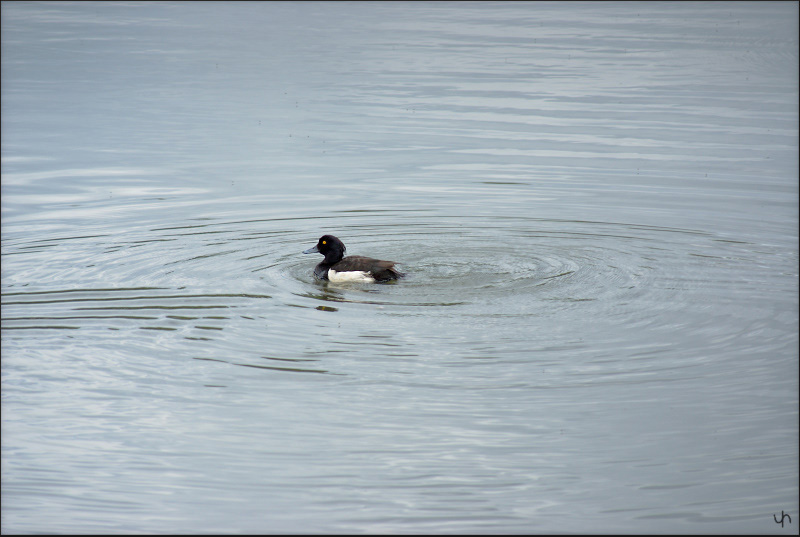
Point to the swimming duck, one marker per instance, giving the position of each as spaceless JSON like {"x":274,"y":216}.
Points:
{"x":354,"y":268}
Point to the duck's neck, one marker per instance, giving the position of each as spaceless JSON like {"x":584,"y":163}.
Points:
{"x":333,"y":257}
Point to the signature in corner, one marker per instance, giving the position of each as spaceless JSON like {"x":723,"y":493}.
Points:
{"x":782,"y":517}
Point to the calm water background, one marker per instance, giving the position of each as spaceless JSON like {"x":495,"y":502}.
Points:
{"x":596,"y":205}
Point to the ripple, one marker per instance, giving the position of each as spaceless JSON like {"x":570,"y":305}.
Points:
{"x":475,"y":261}
{"x":532,"y":283}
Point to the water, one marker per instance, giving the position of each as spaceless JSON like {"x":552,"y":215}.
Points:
{"x":596,"y":206}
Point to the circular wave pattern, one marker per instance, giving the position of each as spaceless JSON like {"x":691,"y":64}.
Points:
{"x":473,"y":262}
{"x":476,"y":282}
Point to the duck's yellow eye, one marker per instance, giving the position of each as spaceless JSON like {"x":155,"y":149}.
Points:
{"x":324,"y":242}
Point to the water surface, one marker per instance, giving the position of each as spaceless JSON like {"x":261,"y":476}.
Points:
{"x":596,"y":206}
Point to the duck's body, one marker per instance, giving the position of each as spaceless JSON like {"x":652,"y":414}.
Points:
{"x":355,"y":268}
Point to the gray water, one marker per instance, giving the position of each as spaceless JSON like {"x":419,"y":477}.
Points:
{"x":596,"y":205}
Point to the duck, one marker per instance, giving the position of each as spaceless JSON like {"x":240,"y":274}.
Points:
{"x":354,"y":268}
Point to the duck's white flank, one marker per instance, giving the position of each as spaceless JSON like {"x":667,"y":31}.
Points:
{"x":350,"y":276}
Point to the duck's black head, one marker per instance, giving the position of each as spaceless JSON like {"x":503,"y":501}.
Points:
{"x":332,"y":248}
